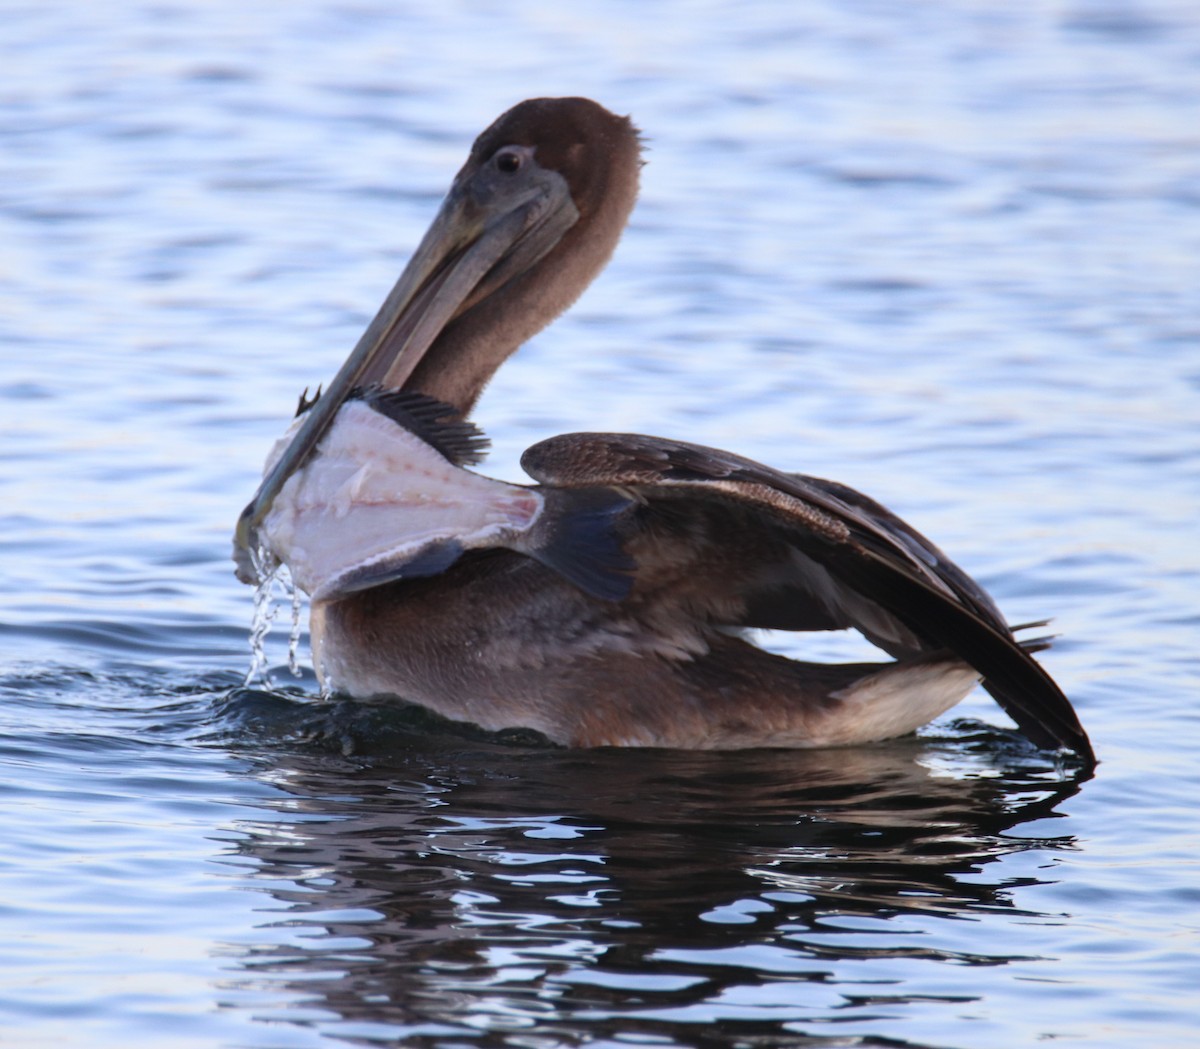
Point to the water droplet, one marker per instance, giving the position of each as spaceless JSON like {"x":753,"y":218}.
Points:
{"x":272,"y":575}
{"x":294,"y":635}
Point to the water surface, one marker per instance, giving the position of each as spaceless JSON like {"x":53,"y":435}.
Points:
{"x":945,"y":254}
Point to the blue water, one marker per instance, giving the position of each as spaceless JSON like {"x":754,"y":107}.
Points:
{"x":947,"y":253}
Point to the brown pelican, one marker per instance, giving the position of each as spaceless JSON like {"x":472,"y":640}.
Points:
{"x":605,"y":604}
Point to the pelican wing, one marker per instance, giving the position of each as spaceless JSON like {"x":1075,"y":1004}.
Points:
{"x":820,"y":556}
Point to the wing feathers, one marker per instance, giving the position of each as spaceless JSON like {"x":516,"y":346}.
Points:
{"x":860,"y":544}
{"x":577,"y":535}
{"x":434,"y":422}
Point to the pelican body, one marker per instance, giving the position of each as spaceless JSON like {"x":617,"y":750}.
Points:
{"x":606,"y":603}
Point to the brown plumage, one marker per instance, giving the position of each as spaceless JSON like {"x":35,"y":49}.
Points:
{"x":597,"y":154}
{"x":604,"y":605}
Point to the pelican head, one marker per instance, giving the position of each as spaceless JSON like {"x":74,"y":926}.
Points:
{"x":533,"y":215}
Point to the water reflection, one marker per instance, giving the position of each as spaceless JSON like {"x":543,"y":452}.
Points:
{"x":442,"y":885}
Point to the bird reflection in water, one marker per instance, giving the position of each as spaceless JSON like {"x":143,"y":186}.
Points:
{"x":456,"y":886}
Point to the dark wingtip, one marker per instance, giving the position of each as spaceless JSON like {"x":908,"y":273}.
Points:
{"x":1018,"y":682}
{"x":434,"y":422}
{"x":1032,"y":698}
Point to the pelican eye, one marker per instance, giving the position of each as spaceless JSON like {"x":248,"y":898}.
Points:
{"x":508,"y":161}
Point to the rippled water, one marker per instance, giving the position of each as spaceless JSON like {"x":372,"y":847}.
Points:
{"x":948,"y":253}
